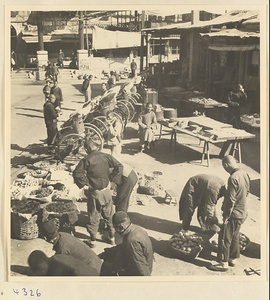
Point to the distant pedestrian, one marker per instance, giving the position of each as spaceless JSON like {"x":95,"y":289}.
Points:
{"x":237,"y":99}
{"x":112,"y":80}
{"x":54,"y":72}
{"x":48,"y":72}
{"x":13,"y":58}
{"x":86,"y":88}
{"x":61,"y":57}
{"x":133,"y":67}
{"x":103,"y":88}
{"x":57,"y":91}
{"x":50,"y":117}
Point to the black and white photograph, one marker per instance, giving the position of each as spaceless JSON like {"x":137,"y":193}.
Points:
{"x":136,"y":139}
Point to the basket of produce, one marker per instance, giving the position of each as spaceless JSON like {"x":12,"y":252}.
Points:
{"x":42,"y":194}
{"x":64,"y":214}
{"x":24,"y":219}
{"x":244,"y":242}
{"x":185,"y":246}
{"x":21,"y":188}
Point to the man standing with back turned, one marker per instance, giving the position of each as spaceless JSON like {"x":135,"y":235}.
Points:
{"x":234,"y":215}
{"x":93,"y":174}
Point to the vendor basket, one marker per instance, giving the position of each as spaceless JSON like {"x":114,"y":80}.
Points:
{"x":23,"y":228}
{"x":184,"y":253}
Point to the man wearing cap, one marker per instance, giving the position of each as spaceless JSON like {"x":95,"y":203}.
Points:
{"x":50,"y":117}
{"x":93,"y":173}
{"x":134,"y":257}
{"x":234,"y":209}
{"x":58,"y":265}
{"x":86,"y":88}
{"x":65,"y":243}
{"x":47,"y":88}
{"x":202,"y":191}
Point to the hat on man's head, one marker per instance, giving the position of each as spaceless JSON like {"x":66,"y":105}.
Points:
{"x":49,"y":229}
{"x":119,"y":217}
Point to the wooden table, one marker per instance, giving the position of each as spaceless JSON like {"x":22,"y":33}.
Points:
{"x":222,"y":133}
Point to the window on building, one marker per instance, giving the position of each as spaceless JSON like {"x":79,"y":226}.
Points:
{"x":254,"y":63}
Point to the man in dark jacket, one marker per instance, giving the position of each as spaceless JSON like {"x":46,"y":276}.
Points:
{"x":50,"y":117}
{"x":94,"y":175}
{"x":57,"y":91}
{"x":65,"y":243}
{"x":134,"y":257}
{"x":133,"y":67}
{"x":237,"y":99}
{"x":202,"y":191}
{"x":58,"y":265}
{"x":234,"y":209}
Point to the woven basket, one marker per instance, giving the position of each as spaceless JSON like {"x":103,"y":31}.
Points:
{"x":182,"y":254}
{"x":24,"y":229}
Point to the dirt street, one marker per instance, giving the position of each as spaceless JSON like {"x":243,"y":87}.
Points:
{"x":177,"y":164}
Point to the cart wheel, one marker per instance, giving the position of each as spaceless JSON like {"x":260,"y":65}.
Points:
{"x":71,"y":148}
{"x":102,"y":124}
{"x":130,"y":111}
{"x":137,"y":96}
{"x":118,"y":111}
{"x":93,"y":132}
{"x":132,"y":99}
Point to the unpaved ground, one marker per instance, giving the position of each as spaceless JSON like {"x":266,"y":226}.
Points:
{"x":160,"y":220}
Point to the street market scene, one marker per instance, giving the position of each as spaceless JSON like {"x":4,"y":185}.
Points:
{"x":135,"y":143}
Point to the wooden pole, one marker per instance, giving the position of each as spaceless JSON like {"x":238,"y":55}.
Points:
{"x":40,"y":31}
{"x":142,"y":41}
{"x":147,"y":51}
{"x":81,"y":34}
{"x":160,"y":59}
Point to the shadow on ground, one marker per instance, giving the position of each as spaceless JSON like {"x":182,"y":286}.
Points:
{"x":23,"y":270}
{"x":157,"y":224}
{"x":255,"y":188}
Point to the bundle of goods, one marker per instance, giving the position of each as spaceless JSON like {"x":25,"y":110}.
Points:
{"x":244,"y":242}
{"x":24,"y":219}
{"x":64,"y":214}
{"x":205,"y":101}
{"x":21,"y":188}
{"x":150,"y":184}
{"x":186,"y":246}
{"x":252,"y":120}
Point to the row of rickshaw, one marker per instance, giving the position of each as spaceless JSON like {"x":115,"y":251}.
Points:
{"x":91,"y":122}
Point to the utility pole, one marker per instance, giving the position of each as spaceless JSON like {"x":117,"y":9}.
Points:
{"x":142,"y":40}
{"x":40,"y":31}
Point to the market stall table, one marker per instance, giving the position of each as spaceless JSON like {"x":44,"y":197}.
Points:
{"x":208,"y":131}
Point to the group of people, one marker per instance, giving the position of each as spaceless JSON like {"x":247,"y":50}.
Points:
{"x":51,"y":110}
{"x":202,"y":192}
{"x":134,"y":256}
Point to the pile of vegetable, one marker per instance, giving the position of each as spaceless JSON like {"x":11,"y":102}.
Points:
{"x":37,"y":173}
{"x":28,"y":181}
{"x":42,"y":192}
{"x":186,"y":243}
{"x":25,"y":207}
{"x":60,"y":207}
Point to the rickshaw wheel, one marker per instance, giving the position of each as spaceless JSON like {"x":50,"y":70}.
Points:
{"x":94,"y":133}
{"x":71,"y":148}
